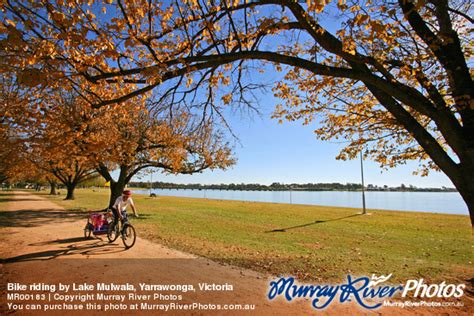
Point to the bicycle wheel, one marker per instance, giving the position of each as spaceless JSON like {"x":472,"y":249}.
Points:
{"x":128,"y":235}
{"x":112,"y":232}
{"x":87,"y":231}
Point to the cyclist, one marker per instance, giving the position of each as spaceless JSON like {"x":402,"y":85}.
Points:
{"x":121,"y":204}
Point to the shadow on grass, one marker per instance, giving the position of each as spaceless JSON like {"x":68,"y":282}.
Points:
{"x":77,"y":246}
{"x":282,"y":230}
{"x":34,"y":218}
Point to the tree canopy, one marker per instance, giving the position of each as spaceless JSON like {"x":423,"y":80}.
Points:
{"x":62,"y":137}
{"x":392,"y":78}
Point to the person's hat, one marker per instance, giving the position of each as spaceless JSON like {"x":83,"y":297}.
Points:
{"x":127,"y":193}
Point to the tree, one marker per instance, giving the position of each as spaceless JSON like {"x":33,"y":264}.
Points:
{"x":41,"y":136}
{"x":391,"y":77}
{"x":63,"y":142}
{"x":52,"y":187}
{"x":71,"y":142}
{"x":178,"y":145}
{"x":13,"y":166}
{"x":76,"y":142}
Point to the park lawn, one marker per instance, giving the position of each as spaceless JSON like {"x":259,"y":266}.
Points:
{"x":309,"y":242}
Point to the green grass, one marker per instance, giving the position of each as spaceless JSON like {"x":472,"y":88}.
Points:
{"x":433,"y":246}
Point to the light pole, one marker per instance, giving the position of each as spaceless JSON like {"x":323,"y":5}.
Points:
{"x":364,"y":211}
{"x":151,"y":179}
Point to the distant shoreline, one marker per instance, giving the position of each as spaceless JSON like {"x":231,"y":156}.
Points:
{"x":300,"y":190}
{"x":319,"y":187}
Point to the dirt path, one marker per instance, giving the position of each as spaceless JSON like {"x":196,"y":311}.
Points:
{"x":40,"y":243}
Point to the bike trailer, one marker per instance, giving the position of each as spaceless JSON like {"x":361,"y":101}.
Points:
{"x":98,"y":223}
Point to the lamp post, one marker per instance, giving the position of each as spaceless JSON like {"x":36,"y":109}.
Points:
{"x":151,"y":179}
{"x":364,"y":211}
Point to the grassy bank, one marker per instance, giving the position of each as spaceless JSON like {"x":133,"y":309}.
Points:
{"x":305,"y":241}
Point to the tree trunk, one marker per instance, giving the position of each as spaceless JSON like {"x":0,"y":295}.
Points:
{"x":468,"y":196}
{"x":52,"y":186}
{"x":116,"y":189}
{"x":70,"y":191}
{"x":465,"y":186}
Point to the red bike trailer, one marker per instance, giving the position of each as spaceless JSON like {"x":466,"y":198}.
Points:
{"x":98,"y":223}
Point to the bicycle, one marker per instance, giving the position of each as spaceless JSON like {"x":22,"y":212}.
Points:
{"x":125,"y":229}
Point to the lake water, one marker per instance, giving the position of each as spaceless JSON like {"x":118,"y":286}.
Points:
{"x":436,"y":202}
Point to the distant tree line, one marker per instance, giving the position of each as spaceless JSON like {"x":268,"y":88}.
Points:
{"x":276,"y":186}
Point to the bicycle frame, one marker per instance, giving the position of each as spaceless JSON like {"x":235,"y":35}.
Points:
{"x":124,"y":229}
